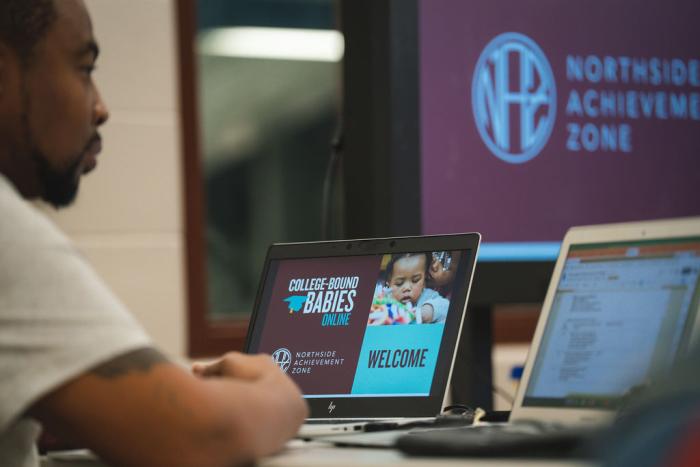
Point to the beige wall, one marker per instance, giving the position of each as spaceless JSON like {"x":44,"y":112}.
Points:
{"x":128,"y":216}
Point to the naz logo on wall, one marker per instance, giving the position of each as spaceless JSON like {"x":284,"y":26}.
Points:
{"x":514,"y":97}
{"x":515,"y":120}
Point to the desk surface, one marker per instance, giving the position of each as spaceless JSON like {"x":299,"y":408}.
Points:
{"x":311,"y":454}
{"x":302,"y":454}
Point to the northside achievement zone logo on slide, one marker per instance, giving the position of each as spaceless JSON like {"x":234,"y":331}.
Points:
{"x":333,"y":298}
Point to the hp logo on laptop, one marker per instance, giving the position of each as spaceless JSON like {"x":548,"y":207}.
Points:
{"x":331,"y":407}
{"x":514,"y":97}
{"x":283,"y":358}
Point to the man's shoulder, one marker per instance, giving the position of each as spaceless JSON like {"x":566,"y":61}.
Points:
{"x":22,"y":223}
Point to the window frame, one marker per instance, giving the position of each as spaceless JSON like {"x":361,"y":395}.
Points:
{"x":205,"y":337}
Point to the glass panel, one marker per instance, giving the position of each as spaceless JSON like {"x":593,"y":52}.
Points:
{"x":268,"y":85}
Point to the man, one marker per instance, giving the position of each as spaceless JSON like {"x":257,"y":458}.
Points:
{"x":71,"y":357}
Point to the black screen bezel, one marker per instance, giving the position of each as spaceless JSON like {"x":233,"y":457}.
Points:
{"x":381,"y":407}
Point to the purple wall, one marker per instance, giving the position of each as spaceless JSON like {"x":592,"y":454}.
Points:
{"x":655,"y":170}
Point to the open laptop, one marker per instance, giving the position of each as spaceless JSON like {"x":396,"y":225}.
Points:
{"x":621,"y":306}
{"x":368,"y":329}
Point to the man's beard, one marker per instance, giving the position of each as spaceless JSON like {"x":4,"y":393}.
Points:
{"x":59,"y":187}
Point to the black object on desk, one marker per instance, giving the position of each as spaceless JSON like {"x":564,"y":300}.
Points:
{"x":526,"y":440}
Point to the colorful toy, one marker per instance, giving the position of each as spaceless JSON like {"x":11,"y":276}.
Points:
{"x":386,"y":310}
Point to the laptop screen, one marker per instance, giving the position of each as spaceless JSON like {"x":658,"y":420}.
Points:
{"x":621,"y":312}
{"x":363,"y":326}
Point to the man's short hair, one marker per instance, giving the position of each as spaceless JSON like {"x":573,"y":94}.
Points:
{"x":23,"y":23}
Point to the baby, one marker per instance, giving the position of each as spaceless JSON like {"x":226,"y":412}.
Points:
{"x":406,"y":275}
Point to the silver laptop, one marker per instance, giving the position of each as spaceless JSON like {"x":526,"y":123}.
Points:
{"x":368,"y":329}
{"x":622,"y":305}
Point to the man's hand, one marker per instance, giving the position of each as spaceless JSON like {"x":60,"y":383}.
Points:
{"x":280,"y":400}
{"x":261,"y":372}
{"x":236,"y":365}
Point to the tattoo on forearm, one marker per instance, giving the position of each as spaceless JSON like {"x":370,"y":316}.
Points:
{"x":141,"y":360}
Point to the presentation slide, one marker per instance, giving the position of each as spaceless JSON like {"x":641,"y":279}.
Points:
{"x":359,"y":326}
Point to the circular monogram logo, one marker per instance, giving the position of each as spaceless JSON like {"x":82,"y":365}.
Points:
{"x":514,"y":97}
{"x":283,"y":358}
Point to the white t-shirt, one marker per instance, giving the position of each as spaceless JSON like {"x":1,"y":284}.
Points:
{"x":57,"y":320}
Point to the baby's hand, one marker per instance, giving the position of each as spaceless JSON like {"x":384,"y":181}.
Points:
{"x":427,"y":313}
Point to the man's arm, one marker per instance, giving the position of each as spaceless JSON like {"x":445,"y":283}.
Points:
{"x":140,"y":409}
